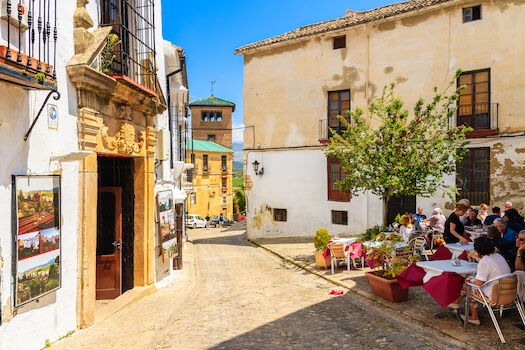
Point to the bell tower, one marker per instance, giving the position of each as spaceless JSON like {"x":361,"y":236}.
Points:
{"x":211,"y":120}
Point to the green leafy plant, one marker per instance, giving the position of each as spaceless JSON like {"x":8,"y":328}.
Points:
{"x":321,"y":239}
{"x":387,"y":263}
{"x":107,"y":56}
{"x":371,"y":233}
{"x":41,"y":77}
{"x":47,"y":343}
{"x":406,"y":154}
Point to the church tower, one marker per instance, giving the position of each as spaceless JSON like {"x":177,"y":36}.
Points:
{"x":211,"y":120}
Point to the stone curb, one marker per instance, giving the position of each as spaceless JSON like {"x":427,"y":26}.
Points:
{"x":372,"y":298}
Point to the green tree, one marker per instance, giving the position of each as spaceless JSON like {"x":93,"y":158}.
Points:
{"x":240,"y":199}
{"x":405,"y":155}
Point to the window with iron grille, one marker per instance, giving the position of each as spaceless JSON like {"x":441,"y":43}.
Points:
{"x":211,"y":116}
{"x":339,"y":217}
{"x":335,"y":174}
{"x":472,"y":13}
{"x":339,"y":42}
{"x":223,"y":163}
{"x":280,"y":215}
{"x":205,"y":163}
{"x":224,"y":184}
{"x":338,"y":104}
{"x":473,"y":176}
{"x":133,"y":22}
{"x":474,"y":101}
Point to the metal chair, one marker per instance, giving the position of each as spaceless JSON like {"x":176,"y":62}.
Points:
{"x":418,"y":245}
{"x":435,"y":235}
{"x":338,"y":252}
{"x":504,"y":297}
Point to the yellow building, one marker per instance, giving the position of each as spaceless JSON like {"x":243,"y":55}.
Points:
{"x":212,"y":179}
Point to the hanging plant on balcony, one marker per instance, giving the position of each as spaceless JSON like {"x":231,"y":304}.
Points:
{"x":107,"y":56}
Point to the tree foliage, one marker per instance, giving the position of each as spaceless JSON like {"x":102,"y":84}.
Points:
{"x":405,"y":155}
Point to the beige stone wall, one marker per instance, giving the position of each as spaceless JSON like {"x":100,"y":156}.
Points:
{"x":222,"y":130}
{"x":205,"y":184}
{"x":285,"y":87}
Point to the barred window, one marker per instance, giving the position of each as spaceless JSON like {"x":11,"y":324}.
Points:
{"x":339,"y":217}
{"x":223,"y":163}
{"x":280,"y":215}
{"x":205,"y":163}
{"x":472,"y":13}
{"x":339,"y":42}
{"x":335,"y":174}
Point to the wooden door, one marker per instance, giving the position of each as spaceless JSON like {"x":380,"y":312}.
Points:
{"x":400,"y":205}
{"x":109,"y":242}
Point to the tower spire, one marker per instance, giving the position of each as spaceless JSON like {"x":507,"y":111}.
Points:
{"x":212,"y":82}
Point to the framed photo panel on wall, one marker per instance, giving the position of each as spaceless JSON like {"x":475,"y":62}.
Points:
{"x":37,"y":236}
{"x":167,"y":225}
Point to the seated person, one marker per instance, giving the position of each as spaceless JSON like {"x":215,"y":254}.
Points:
{"x":507,"y":233}
{"x":490,"y":265}
{"x":514,"y":220}
{"x":420,"y":216}
{"x":502,"y":246}
{"x":472,"y":219}
{"x":437,"y":221}
{"x":483,"y":212}
{"x":406,"y":229}
{"x":519,"y":252}
{"x":414,"y":222}
{"x":454,"y":228}
{"x":496,"y":211}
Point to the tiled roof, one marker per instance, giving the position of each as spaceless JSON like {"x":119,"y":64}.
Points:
{"x":207,"y":146}
{"x":212,"y":101}
{"x":353,"y":19}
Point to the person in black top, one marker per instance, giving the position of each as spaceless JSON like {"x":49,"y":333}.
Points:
{"x":472,"y":219}
{"x":454,"y":229}
{"x":514,"y":220}
{"x":504,"y":247}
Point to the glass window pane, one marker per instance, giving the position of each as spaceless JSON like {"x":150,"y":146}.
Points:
{"x":465,"y":110}
{"x":345,"y":95}
{"x":333,"y":96}
{"x":482,"y":87}
{"x":334,"y":122}
{"x":465,"y":79}
{"x":345,"y":104}
{"x":482,"y":108}
{"x":333,"y":105}
{"x":465,"y":100}
{"x":482,"y":76}
{"x":467,"y":90}
{"x":484,"y":97}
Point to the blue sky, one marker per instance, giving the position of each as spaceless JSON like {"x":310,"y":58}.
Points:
{"x":210,"y":31}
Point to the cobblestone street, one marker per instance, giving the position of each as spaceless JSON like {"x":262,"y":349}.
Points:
{"x":235,"y":296}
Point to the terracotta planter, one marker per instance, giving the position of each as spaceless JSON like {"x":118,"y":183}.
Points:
{"x":14,"y":55}
{"x":323,"y":263}
{"x":387,"y":289}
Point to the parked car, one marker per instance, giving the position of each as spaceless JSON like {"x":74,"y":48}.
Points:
{"x":195,"y":221}
{"x":214,"y":221}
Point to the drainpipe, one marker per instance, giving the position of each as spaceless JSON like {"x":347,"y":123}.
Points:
{"x":182,"y":60}
{"x":367,"y":97}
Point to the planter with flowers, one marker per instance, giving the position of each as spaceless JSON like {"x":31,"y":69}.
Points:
{"x":389,"y":262}
{"x":321,"y":239}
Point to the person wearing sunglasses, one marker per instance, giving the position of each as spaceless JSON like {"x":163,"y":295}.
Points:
{"x":519,"y":261}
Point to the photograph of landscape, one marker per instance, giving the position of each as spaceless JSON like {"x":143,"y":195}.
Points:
{"x":37,"y":202}
{"x":167,"y":225}
{"x":49,"y":239}
{"x":37,"y":276}
{"x":165,"y":200}
{"x":28,"y":245}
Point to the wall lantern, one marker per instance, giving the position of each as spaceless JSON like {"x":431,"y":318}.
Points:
{"x":256,"y":168}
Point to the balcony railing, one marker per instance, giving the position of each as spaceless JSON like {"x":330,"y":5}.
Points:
{"x":485,"y":120}
{"x":135,"y":57}
{"x":31,"y":37}
{"x":324,"y":130}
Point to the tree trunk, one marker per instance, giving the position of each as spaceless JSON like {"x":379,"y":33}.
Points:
{"x":385,"y":217}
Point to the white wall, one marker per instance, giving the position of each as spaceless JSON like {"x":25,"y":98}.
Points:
{"x":296,"y":180}
{"x":55,"y":314}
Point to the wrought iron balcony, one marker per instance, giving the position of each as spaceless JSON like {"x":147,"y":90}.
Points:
{"x":484,"y":120}
{"x":28,"y":54}
{"x":324,"y":129}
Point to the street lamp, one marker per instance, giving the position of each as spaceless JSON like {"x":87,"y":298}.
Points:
{"x":256,"y":168}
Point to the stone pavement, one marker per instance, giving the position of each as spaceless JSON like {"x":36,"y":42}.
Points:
{"x":233,"y":295}
{"x":417,"y":310}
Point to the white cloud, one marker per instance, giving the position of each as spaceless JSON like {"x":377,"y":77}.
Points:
{"x":237,"y":132}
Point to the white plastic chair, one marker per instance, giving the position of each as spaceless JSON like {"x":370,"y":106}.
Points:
{"x":338,"y":252}
{"x":418,"y":244}
{"x":504,"y":297}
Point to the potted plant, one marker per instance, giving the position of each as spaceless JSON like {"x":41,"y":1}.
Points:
{"x":321,"y":239}
{"x":387,"y":267}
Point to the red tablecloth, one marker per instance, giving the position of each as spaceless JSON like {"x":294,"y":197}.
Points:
{"x":411,"y":277}
{"x":445,"y":288}
{"x":442,"y":253}
{"x":355,"y":252}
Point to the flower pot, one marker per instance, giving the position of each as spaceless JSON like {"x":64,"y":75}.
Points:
{"x":387,"y":289}
{"x":322,"y":262}
{"x":14,"y":55}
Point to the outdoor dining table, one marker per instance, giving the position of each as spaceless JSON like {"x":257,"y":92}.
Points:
{"x":347,"y":241}
{"x":437,"y":267}
{"x":457,"y":249}
{"x":475,"y":234}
